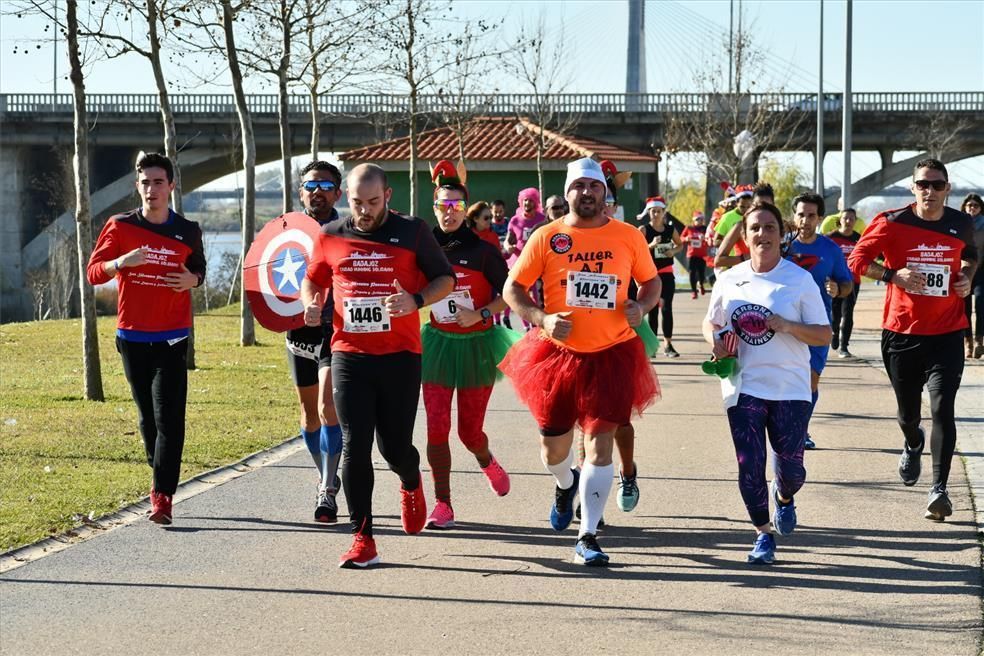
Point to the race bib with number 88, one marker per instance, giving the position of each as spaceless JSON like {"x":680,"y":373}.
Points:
{"x":446,"y":310}
{"x":937,"y":278}
{"x":595,"y":291}
{"x":365,"y":315}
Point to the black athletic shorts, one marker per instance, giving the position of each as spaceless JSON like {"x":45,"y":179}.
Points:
{"x":308,"y":350}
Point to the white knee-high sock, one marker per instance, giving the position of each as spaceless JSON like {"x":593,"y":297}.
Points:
{"x":596,"y":483}
{"x":562,"y":470}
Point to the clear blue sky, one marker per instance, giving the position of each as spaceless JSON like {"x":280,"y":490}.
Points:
{"x":899,"y":45}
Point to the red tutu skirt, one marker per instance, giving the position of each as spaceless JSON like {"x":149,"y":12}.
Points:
{"x":597,"y":391}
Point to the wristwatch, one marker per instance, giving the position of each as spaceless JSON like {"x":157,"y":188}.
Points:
{"x":419,"y":300}
{"x":486,"y":316}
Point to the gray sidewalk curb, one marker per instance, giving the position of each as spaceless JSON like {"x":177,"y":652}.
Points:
{"x":10,"y":560}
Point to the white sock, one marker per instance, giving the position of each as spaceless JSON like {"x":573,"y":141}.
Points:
{"x":562,"y":470}
{"x":596,"y":483}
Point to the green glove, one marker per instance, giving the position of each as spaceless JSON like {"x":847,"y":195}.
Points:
{"x":723,"y":368}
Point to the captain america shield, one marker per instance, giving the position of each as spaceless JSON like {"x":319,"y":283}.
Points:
{"x":274,"y":268}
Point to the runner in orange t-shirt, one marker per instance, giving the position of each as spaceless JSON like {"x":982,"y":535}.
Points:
{"x":585,"y":365}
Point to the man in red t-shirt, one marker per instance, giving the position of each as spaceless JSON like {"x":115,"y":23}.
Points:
{"x":156,"y":256}
{"x":694,"y":237}
{"x":929,"y":262}
{"x":381,"y":267}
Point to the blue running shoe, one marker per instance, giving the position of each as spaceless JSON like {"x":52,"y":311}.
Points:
{"x":784,"y":518}
{"x":587,"y":552}
{"x":764,"y":551}
{"x":562,"y":512}
{"x":808,"y":443}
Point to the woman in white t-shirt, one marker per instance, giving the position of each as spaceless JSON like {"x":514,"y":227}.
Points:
{"x":775,"y":309}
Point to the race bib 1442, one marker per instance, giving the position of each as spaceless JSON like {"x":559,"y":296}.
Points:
{"x":595,"y":291}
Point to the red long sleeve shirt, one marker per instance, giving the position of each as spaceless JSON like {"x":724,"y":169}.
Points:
{"x":146,"y":304}
{"x":934,"y":248}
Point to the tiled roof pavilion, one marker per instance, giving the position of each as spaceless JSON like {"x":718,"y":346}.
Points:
{"x":498,"y":141}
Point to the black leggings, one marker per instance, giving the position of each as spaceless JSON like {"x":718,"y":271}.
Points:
{"x":375,"y":395}
{"x":975,"y":300}
{"x":844,"y":307}
{"x":158,"y":377}
{"x":666,"y":294}
{"x":936,"y":362}
{"x":698,"y":268}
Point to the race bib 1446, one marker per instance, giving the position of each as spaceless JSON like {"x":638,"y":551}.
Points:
{"x":365,"y":315}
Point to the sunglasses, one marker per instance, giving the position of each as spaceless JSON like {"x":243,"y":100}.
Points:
{"x":323,"y":185}
{"x":449,"y":205}
{"x":937,"y":185}
{"x":556,"y":207}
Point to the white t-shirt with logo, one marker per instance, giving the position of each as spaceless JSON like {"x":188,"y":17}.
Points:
{"x":771,"y":366}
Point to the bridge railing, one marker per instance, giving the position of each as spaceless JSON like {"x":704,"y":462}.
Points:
{"x":20,"y":104}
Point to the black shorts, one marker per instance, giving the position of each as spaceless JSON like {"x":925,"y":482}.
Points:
{"x":308,"y":350}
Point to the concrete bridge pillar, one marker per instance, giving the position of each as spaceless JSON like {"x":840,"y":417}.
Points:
{"x":15,"y":302}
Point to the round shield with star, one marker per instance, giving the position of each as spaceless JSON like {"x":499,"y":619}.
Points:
{"x":274,"y":268}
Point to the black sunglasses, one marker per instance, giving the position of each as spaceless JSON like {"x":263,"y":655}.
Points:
{"x":323,"y":185}
{"x":556,"y":207}
{"x":937,"y":185}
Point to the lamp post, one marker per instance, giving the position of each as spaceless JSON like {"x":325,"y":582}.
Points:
{"x":818,"y":176}
{"x":846,"y":135}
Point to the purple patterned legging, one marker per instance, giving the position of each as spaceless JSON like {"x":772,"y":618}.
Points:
{"x":786,"y":423}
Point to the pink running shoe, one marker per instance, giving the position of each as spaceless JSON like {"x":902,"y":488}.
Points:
{"x":498,"y":478}
{"x":442,"y":516}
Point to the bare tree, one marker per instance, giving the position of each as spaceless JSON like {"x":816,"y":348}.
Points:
{"x":463,"y":92}
{"x":728,"y":134}
{"x":543,"y":72}
{"x":408,"y":49}
{"x":211,"y":31}
{"x":336,"y":40}
{"x":83,"y":224}
{"x":942,"y":135}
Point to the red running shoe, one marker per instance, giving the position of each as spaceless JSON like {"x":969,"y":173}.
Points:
{"x":160,"y":508}
{"x":363,"y":554}
{"x":413,"y":509}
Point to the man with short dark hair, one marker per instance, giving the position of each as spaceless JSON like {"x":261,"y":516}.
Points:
{"x":157,"y":257}
{"x":825,"y":262}
{"x":500,"y":222}
{"x":929,"y":262}
{"x":381,"y":268}
{"x":309,"y":355}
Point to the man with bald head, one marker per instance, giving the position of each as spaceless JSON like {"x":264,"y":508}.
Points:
{"x":555,"y":208}
{"x":381,"y":268}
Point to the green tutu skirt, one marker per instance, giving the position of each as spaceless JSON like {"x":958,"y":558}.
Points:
{"x":464,"y":360}
{"x":649,"y":339}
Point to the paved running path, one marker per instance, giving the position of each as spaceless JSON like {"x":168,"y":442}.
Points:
{"x":245,"y":571}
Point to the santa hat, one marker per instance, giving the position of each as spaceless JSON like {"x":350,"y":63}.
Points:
{"x":698,"y":214}
{"x":652,"y":201}
{"x":745,"y":191}
{"x":584,"y":168}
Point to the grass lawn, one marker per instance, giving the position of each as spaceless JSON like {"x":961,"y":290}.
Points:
{"x":63,"y":458}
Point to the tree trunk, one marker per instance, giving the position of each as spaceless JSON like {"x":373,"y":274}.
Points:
{"x":313,"y":87}
{"x":247,"y":331}
{"x":288,"y":190}
{"x":170,"y":138}
{"x":315,"y":122}
{"x":83,"y":224}
{"x":412,"y":83}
